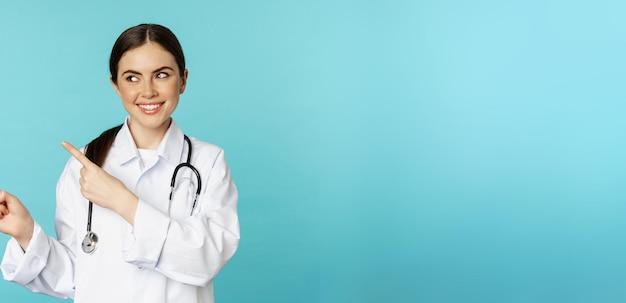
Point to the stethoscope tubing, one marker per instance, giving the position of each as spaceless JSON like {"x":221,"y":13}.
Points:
{"x":90,"y":242}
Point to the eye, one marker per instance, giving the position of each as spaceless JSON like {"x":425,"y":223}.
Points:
{"x":162,"y":75}
{"x":132,"y":79}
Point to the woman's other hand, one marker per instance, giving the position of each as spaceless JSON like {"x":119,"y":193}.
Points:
{"x":15,"y":220}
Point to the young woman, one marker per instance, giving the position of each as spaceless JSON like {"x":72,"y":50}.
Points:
{"x":146,"y":214}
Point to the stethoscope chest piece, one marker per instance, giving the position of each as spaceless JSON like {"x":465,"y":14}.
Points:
{"x":90,"y":242}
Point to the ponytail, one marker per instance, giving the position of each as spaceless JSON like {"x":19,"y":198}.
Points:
{"x":98,"y":149}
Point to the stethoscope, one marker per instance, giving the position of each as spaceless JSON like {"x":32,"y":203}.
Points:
{"x":90,"y":242}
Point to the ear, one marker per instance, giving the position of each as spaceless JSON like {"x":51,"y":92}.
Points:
{"x":115,"y":87}
{"x":183,"y":81}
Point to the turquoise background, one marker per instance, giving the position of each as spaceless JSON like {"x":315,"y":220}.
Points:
{"x":385,"y":151}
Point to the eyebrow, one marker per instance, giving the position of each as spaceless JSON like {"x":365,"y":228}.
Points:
{"x":130,"y":71}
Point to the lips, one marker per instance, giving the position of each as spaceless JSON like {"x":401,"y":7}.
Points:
{"x":151,"y":108}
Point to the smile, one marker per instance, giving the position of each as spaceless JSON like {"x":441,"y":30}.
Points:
{"x":149,"y":107}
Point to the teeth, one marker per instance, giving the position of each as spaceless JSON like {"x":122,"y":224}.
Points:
{"x":150,"y":106}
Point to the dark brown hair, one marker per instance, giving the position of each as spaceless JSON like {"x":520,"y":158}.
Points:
{"x":131,"y":38}
{"x":141,"y":34}
{"x":98,"y":149}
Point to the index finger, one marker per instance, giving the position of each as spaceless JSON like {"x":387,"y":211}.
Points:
{"x":77,"y":154}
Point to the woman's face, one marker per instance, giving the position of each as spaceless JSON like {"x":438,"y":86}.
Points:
{"x":150,"y":85}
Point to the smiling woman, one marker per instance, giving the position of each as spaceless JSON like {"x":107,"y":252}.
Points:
{"x":144,"y":240}
{"x":150,"y":86}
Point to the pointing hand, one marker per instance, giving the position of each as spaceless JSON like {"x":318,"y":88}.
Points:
{"x":99,"y":187}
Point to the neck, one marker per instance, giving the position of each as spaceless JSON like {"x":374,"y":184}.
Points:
{"x":148,"y":138}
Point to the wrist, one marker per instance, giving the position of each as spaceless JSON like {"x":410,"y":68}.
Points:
{"x":24,"y":237}
{"x":128,"y":206}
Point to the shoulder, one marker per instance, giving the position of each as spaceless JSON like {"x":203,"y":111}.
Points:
{"x":205,"y":153}
{"x":203,"y":147}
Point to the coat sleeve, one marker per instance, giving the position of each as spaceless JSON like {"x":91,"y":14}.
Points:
{"x":47,"y":265}
{"x":195,"y":249}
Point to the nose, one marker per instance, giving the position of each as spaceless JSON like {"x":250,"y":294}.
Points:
{"x":149,"y":91}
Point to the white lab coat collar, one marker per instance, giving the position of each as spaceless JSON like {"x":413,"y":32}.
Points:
{"x":170,"y":148}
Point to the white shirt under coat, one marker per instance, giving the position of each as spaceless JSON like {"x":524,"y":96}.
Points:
{"x":167,"y":256}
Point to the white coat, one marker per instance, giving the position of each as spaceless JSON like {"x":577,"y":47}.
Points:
{"x":167,"y":256}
